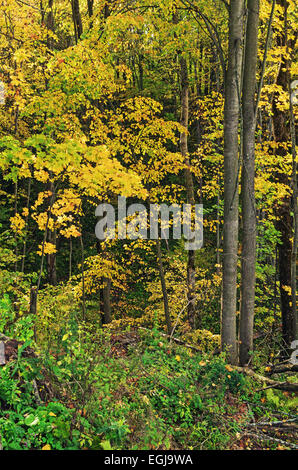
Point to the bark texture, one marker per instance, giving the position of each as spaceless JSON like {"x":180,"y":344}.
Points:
{"x":231,"y":173}
{"x":284,"y":224}
{"x":191,"y":268}
{"x":77,"y":19}
{"x":164,"y":287}
{"x":248,"y":259}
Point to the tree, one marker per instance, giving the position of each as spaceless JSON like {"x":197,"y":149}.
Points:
{"x":248,"y":255}
{"x":231,"y":175}
{"x":191,"y":268}
{"x":282,"y":137}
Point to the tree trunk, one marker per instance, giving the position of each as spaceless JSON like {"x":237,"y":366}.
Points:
{"x":90,"y":4}
{"x":77,"y":20}
{"x":50,"y":23}
{"x":284,"y":223}
{"x":52,"y":271}
{"x":26,"y":225}
{"x":83,"y":276}
{"x":231,"y":170}
{"x":105,"y":292}
{"x":295,"y":216}
{"x":51,"y":258}
{"x":164,"y":287}
{"x":106,"y":300}
{"x":191,"y":269}
{"x":248,"y":259}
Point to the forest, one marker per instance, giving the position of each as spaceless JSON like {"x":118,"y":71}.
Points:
{"x":148,"y":225}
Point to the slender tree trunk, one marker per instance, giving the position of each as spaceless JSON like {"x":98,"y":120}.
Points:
{"x":295,"y":217}
{"x":231,"y":173}
{"x":295,"y":210}
{"x":105,"y":292}
{"x":70,"y":259}
{"x":248,"y":259}
{"x":33,"y":308}
{"x":284,"y":224}
{"x":191,"y":268}
{"x":106,"y":300}
{"x":141,"y":71}
{"x":26,"y":225}
{"x":90,"y":4}
{"x":51,"y":258}
{"x":50,"y":23}
{"x":83,"y":276}
{"x":52,"y":265}
{"x":106,"y":10}
{"x":77,"y":20}
{"x":15,"y":212}
{"x":164,"y":287}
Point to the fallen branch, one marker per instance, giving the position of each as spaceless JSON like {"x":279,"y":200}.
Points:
{"x":284,"y":368}
{"x":286,"y":425}
{"x":287,"y":386}
{"x":265,"y":437}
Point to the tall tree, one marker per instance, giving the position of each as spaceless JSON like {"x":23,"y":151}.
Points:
{"x":164,"y":287}
{"x":284,"y":222}
{"x":248,"y":258}
{"x":191,"y":268}
{"x":231,"y":174}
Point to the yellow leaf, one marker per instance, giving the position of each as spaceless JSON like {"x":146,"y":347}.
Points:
{"x":46,"y":447}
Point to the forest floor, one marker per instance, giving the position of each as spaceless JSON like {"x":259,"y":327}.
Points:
{"x":134,"y":389}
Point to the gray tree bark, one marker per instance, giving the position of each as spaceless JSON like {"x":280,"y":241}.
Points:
{"x":248,"y":258}
{"x":231,"y":170}
{"x":284,"y":219}
{"x":191,"y":268}
{"x":295,"y":216}
{"x":164,"y":287}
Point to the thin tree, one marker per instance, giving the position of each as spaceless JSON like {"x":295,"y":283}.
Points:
{"x":164,"y":287}
{"x":284,"y":219}
{"x":231,"y":176}
{"x":77,"y":19}
{"x":191,"y":268}
{"x":248,"y":258}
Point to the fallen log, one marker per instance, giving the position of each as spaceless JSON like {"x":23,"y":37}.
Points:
{"x":283,"y":368}
{"x":286,"y":386}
